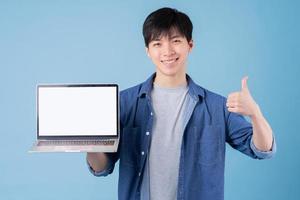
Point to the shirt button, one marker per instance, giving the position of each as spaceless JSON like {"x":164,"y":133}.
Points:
{"x":151,"y":113}
{"x":143,"y":153}
{"x":147,"y":133}
{"x":139,"y":173}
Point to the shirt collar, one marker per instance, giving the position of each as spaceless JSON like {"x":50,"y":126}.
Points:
{"x":194,"y":90}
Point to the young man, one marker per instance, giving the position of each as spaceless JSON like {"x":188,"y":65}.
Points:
{"x":173,"y":132}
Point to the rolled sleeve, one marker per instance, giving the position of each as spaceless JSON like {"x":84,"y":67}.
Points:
{"x":104,"y":172}
{"x":264,"y":154}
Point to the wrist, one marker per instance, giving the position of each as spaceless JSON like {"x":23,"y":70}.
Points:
{"x":256,"y":112}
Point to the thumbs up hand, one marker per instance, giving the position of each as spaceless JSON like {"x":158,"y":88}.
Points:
{"x":242,"y":102}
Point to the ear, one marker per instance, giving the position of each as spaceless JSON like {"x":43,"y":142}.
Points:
{"x":191,"y":44}
{"x":147,"y":51}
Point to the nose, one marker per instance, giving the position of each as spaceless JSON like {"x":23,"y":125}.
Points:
{"x":168,"y":50}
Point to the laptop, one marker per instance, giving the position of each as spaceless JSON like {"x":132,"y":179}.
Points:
{"x":77,"y":118}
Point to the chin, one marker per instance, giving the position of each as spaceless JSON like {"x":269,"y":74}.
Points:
{"x":169,"y":72}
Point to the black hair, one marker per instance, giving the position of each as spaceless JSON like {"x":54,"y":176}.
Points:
{"x":165,"y":20}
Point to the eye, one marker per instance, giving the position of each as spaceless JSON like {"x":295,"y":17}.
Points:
{"x":156,"y":44}
{"x":176,"y":41}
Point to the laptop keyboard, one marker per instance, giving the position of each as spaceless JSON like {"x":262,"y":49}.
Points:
{"x":75,"y":142}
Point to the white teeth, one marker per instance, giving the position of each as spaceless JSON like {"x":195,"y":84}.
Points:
{"x":169,"y":61}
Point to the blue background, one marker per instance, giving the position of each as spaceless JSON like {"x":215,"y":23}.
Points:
{"x":94,"y":41}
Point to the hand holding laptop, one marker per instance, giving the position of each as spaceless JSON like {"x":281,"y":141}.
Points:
{"x":98,"y":161}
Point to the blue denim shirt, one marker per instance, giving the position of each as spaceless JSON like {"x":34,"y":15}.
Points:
{"x":208,"y":127}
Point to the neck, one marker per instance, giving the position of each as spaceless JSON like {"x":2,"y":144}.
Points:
{"x":170,"y":81}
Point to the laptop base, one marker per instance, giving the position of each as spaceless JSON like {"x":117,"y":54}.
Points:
{"x":74,"y":148}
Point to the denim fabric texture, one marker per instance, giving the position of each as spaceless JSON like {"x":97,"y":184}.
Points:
{"x":209,"y":126}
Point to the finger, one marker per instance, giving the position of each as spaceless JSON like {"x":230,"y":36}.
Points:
{"x":232,"y":101}
{"x":233,"y":104}
{"x":230,"y":105}
{"x":244,"y":83}
{"x":233,"y":95}
{"x":233,"y":109}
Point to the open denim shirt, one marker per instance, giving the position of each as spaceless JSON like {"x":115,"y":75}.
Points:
{"x":208,"y":126}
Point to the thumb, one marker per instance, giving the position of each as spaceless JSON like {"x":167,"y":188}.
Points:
{"x":244,"y":83}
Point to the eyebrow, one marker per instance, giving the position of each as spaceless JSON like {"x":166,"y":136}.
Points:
{"x":175,"y":36}
{"x":155,"y":40}
{"x":172,"y":37}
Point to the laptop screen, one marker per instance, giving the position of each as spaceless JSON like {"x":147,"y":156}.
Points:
{"x":77,"y":110}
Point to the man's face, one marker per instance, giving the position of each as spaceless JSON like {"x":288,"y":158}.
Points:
{"x":169,"y":54}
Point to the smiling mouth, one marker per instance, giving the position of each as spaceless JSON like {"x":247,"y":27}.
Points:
{"x":169,"y":61}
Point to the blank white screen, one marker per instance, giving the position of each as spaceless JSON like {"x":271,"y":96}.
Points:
{"x":73,"y":111}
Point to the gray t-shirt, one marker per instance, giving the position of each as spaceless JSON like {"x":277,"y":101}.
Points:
{"x":167,"y":132}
